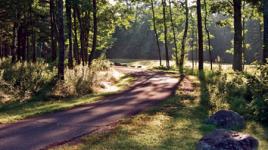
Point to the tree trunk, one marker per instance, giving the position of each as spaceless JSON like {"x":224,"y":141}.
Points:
{"x":156,"y":34}
{"x":244,"y":46}
{"x":19,"y":37}
{"x":265,"y":32}
{"x":183,"y":44}
{"x":6,"y":52}
{"x":174,"y":34}
{"x":13,"y":48}
{"x":28,"y":48}
{"x":75,"y":46}
{"x":95,"y":32}
{"x":1,"y":50}
{"x":69,"y":26}
{"x":193,"y":37}
{"x":237,"y":59}
{"x":86,"y":21}
{"x":165,"y":33}
{"x":208,"y":36}
{"x":196,"y":48}
{"x":33,"y":46}
{"x":23,"y":43}
{"x":82,"y":39}
{"x":33,"y":36}
{"x":53,"y":30}
{"x":61,"y":40}
{"x":200,"y":36}
{"x":192,"y":53}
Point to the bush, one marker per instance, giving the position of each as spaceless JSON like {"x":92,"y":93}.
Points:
{"x":83,"y":78}
{"x":217,"y":89}
{"x":244,"y":93}
{"x":258,"y":88}
{"x":29,"y":79}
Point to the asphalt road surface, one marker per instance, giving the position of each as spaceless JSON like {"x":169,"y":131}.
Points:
{"x":53,"y":129}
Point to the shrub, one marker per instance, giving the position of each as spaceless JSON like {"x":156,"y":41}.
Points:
{"x":245,"y":93}
{"x":27,"y":77}
{"x":217,"y":89}
{"x":258,"y":88}
{"x":83,"y":78}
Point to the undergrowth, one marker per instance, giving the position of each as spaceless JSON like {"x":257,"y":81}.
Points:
{"x":27,"y":81}
{"x":243,"y":92}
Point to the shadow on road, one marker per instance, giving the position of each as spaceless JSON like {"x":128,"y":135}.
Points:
{"x":148,"y":90}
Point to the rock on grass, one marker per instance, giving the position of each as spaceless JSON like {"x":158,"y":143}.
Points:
{"x":227,"y":119}
{"x":222,"y":139}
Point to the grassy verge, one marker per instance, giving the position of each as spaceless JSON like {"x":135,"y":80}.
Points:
{"x":178,"y":123}
{"x":150,"y":64}
{"x":15,"y":111}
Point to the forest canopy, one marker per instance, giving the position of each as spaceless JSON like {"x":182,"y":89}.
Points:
{"x":81,"y":30}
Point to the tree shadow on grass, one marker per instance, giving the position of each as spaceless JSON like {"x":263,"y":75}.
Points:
{"x":188,"y":119}
{"x":195,"y":115}
{"x":204,"y":93}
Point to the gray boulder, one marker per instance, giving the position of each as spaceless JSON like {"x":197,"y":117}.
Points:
{"x":227,"y":119}
{"x":222,"y":139}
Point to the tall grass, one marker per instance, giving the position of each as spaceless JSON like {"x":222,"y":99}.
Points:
{"x":23,"y":81}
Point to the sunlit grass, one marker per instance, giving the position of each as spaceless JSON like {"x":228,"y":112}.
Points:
{"x":147,"y":64}
{"x":18,"y":111}
{"x":150,"y":64}
{"x":178,"y":123}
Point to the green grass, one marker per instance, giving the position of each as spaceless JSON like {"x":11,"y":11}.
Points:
{"x":178,"y":123}
{"x":15,"y":111}
{"x":147,"y":64}
{"x":18,"y":111}
{"x":150,"y":64}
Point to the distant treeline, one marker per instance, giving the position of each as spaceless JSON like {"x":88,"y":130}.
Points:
{"x":138,"y":42}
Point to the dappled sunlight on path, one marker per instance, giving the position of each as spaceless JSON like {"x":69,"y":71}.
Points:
{"x":40,"y":132}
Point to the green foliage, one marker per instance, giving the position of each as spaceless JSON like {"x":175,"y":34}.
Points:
{"x":38,"y":81}
{"x":229,"y":92}
{"x":236,"y":86}
{"x":242,"y":92}
{"x":82,"y":79}
{"x":100,"y":64}
{"x":258,"y":88}
{"x":27,"y":77}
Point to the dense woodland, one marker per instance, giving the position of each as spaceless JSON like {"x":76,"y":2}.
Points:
{"x":66,"y":49}
{"x":79,"y":30}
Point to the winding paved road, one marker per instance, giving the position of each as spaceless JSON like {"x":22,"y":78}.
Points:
{"x":47,"y":130}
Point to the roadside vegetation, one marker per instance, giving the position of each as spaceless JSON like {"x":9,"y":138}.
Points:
{"x":177,"y":123}
{"x":243,"y":92}
{"x":29,"y":90}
